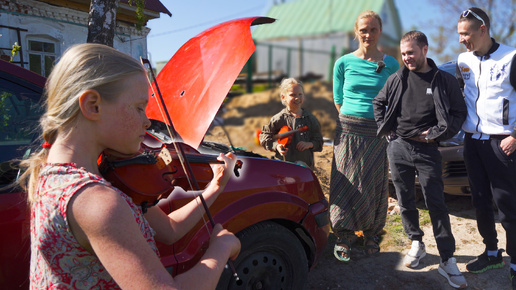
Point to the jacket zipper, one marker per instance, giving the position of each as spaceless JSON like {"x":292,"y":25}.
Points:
{"x":478,"y":94}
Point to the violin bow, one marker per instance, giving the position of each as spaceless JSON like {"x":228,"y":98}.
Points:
{"x":194,"y":185}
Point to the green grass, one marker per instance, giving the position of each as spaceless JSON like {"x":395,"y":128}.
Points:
{"x":395,"y":238}
{"x":424,"y":217}
{"x":260,"y":88}
{"x":237,"y":88}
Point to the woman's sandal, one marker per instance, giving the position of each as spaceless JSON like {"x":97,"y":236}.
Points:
{"x":371,"y":243}
{"x":340,"y":251}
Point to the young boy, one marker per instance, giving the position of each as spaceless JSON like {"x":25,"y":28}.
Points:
{"x":303,"y":143}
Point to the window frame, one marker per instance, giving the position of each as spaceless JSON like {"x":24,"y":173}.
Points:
{"x":44,"y":70}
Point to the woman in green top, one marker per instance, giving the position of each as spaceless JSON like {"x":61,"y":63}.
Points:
{"x":358,"y":186}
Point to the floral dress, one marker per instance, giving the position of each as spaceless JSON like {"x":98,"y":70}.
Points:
{"x":58,"y":261}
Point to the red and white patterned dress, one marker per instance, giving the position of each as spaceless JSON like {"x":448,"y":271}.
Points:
{"x":57,"y":260}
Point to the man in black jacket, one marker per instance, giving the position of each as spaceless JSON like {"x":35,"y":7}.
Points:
{"x":419,"y":106}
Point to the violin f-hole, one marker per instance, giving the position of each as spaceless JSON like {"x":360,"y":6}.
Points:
{"x":169,"y":173}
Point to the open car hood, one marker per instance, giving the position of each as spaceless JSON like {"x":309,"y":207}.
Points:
{"x":198,"y":77}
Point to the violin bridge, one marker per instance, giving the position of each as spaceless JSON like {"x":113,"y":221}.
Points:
{"x":165,"y":156}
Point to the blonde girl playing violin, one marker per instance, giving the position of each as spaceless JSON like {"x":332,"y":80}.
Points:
{"x":302,"y":144}
{"x":86,"y":233}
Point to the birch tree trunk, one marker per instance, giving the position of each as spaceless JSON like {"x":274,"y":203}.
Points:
{"x":102,"y":21}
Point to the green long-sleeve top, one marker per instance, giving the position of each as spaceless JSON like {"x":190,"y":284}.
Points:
{"x":356,"y":83}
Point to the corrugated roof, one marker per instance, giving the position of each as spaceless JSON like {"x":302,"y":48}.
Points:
{"x":314,"y":17}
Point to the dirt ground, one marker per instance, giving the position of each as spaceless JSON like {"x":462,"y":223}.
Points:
{"x":243,"y":115}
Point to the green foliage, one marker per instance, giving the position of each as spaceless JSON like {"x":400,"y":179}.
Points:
{"x":441,"y":29}
{"x":14,"y":51}
{"x":4,"y":116}
{"x":140,"y":16}
{"x":237,"y":88}
{"x":260,"y":88}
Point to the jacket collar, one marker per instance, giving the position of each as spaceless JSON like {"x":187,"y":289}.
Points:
{"x":285,"y":111}
{"x":403,"y":71}
{"x":492,"y":49}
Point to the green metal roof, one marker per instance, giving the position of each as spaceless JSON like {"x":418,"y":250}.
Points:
{"x":315,"y":17}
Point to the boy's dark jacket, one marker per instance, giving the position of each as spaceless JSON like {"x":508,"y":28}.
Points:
{"x":449,"y":103}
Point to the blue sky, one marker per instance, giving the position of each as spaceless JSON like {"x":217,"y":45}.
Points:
{"x":191,"y":17}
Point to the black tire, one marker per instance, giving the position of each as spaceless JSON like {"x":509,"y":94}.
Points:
{"x":272,"y":257}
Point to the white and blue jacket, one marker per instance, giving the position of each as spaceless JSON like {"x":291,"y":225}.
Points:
{"x":489,"y":93}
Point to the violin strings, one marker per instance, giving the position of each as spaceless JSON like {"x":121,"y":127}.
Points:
{"x":182,"y":161}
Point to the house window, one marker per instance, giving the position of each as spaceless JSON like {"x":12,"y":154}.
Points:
{"x":42,"y":56}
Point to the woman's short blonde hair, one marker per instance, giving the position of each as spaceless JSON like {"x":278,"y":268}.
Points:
{"x":81,"y":67}
{"x":286,"y":84}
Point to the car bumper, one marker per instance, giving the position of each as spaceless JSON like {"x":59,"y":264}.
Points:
{"x":317,"y":224}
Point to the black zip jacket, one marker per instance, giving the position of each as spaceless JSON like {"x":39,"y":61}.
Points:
{"x":450,"y":108}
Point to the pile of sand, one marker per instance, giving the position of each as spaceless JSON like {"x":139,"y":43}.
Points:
{"x":245,"y":114}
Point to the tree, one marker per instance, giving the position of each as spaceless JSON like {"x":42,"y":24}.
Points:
{"x":102,"y":21}
{"x":445,"y":38}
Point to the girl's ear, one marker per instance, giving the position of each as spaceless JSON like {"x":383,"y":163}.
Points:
{"x":89,"y":103}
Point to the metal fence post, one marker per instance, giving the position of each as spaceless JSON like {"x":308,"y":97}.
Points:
{"x":289,"y":50}
{"x":249,"y":80}
{"x":270,"y":66}
{"x":332,"y":63}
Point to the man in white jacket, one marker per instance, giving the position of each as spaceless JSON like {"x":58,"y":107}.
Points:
{"x":488,"y":71}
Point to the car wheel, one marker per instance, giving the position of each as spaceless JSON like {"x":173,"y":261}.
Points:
{"x":272,"y":257}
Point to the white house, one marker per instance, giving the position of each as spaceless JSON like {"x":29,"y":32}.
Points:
{"x":45,"y":29}
{"x":309,"y":35}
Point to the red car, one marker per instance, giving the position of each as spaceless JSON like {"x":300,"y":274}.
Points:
{"x":277,"y":209}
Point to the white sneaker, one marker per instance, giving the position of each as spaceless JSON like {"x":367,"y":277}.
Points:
{"x":450,"y":271}
{"x":417,"y":251}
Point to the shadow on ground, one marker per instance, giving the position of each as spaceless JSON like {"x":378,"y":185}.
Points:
{"x":385,"y":270}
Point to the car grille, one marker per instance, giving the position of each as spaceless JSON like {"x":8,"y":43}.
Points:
{"x":454,"y":169}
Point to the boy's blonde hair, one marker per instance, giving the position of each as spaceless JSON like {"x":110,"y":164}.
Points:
{"x":81,"y":67}
{"x":286,"y":84}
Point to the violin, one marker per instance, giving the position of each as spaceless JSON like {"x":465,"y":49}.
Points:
{"x":153,"y":173}
{"x":285,"y":134}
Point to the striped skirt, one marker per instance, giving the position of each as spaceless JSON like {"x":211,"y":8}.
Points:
{"x":359,"y":178}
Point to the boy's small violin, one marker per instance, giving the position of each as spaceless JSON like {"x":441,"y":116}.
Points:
{"x":285,"y":134}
